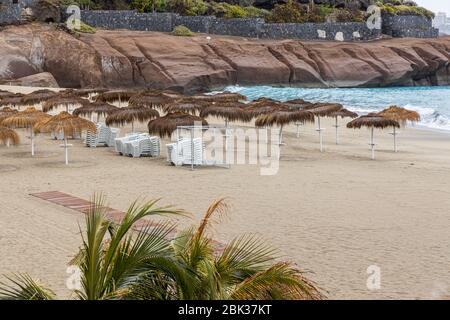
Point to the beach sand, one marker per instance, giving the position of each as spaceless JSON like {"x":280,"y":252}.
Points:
{"x":333,"y":213}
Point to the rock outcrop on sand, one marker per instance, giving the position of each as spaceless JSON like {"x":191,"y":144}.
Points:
{"x":145,"y":59}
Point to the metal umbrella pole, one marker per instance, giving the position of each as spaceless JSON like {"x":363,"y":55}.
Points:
{"x":320,"y":134}
{"x":192,"y":148}
{"x":337,"y":130}
{"x":372,"y":144}
{"x":394,"y":133}
{"x":32,"y":141}
{"x":280,"y":138}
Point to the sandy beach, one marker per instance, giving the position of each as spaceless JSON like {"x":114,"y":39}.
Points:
{"x":333,"y":213}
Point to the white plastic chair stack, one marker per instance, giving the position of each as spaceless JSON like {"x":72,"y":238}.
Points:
{"x":103,"y":137}
{"x":187,"y":149}
{"x":120,"y":142}
{"x":144,"y":145}
{"x":113,"y":133}
{"x":155,"y":146}
{"x":91,"y":137}
{"x":172,"y":153}
{"x":180,"y":153}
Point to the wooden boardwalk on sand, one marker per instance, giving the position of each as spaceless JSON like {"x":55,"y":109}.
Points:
{"x":83,"y":206}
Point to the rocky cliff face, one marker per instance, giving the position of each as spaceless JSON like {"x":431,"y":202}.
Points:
{"x":144,"y":59}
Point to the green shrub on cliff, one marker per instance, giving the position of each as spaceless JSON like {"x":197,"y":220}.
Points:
{"x":182,"y":31}
{"x":85,"y":28}
{"x":400,"y":9}
{"x":187,"y":7}
{"x":290,"y":12}
{"x":149,"y":5}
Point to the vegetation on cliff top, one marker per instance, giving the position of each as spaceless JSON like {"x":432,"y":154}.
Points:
{"x":292,"y":11}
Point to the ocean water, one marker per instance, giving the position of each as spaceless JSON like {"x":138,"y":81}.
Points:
{"x":432,"y":103}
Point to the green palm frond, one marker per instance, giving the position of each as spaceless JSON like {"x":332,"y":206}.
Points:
{"x":243,"y":257}
{"x":23,"y":287}
{"x":280,"y":281}
{"x":114,"y":255}
{"x":134,"y":252}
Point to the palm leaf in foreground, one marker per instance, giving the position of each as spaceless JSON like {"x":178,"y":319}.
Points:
{"x":23,"y":287}
{"x":112,"y":257}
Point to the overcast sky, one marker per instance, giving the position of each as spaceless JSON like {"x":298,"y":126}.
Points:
{"x":436,"y":5}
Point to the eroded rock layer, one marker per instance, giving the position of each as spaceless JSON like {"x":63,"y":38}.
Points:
{"x":145,"y":59}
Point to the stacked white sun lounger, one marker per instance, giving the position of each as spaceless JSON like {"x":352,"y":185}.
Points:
{"x":119,"y":143}
{"x":180,"y":153}
{"x":105,"y":136}
{"x":144,"y":145}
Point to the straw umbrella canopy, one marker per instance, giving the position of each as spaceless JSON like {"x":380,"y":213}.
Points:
{"x":116,"y":96}
{"x":264,"y":106}
{"x":26,"y":119}
{"x":283,"y":117}
{"x":186,"y":105}
{"x":6,"y":112}
{"x":99,"y":108}
{"x":223,"y":97}
{"x":38,"y":96}
{"x":165,"y":126}
{"x":66,"y":123}
{"x":298,"y":104}
{"x":82,"y":93}
{"x":402,"y":116}
{"x":153,"y":98}
{"x":343,"y":113}
{"x":235,"y":111}
{"x":131,"y":115}
{"x":8,"y":136}
{"x":372,"y":121}
{"x":62,"y":101}
{"x":13,"y":100}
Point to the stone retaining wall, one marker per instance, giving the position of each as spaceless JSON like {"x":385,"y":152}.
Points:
{"x":409,"y":26}
{"x":251,"y":27}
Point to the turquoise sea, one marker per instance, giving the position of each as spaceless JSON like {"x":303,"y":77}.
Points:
{"x":433,"y":103}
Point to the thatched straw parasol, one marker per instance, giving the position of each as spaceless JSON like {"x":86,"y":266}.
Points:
{"x":8,"y":136}
{"x":153,"y":98}
{"x":62,"y":101}
{"x":323,"y":110}
{"x":283,"y":117}
{"x":343,"y":113}
{"x":131,"y":115}
{"x":66,"y":123}
{"x":402,"y":116}
{"x":234,"y":111}
{"x":165,"y":126}
{"x":223,"y":97}
{"x":372,"y":121}
{"x":186,"y":105}
{"x":82,"y":93}
{"x":99,"y":108}
{"x":26,"y":119}
{"x":116,"y":96}
{"x":38,"y":96}
{"x":6,"y":112}
{"x":13,"y":100}
{"x":264,"y":106}
{"x":298,"y":103}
